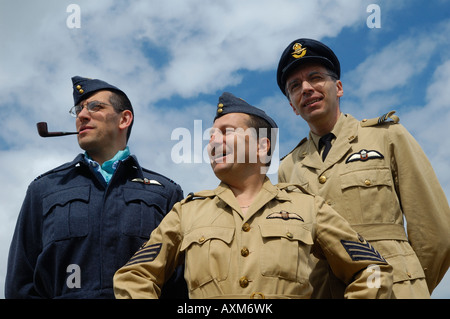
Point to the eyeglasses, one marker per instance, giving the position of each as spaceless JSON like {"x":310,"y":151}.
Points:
{"x":92,"y":107}
{"x":315,"y":79}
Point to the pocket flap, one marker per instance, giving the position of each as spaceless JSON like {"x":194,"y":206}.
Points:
{"x":61,"y":198}
{"x":139,"y":195}
{"x":366,"y":178}
{"x":291,"y":232}
{"x":203,"y":234}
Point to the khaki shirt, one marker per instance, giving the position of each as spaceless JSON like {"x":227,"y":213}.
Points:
{"x":375,"y":175}
{"x":266,"y":253}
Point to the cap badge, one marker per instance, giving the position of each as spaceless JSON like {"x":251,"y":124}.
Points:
{"x":299,"y":51}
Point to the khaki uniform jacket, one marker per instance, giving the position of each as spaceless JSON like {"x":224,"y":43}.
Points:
{"x":263,"y":254}
{"x":375,"y":175}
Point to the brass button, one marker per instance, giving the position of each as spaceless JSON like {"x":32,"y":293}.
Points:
{"x":81,"y":91}
{"x":202,"y":239}
{"x":257,"y":295}
{"x":361,"y":238}
{"x":365,"y":120}
{"x":289,"y":235}
{"x":243,"y":282}
{"x":245,"y":252}
{"x":220,"y":105}
{"x":409,"y":275}
{"x":78,"y":87}
{"x":322,"y":179}
{"x":246,"y":227}
{"x":219,"y":110}
{"x":368,"y":182}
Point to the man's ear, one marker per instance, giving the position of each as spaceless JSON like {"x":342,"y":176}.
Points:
{"x":263,"y":147}
{"x":126,"y":119}
{"x":340,"y":88}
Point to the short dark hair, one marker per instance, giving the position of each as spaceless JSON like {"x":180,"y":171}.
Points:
{"x":259,"y":123}
{"x":120,"y":102}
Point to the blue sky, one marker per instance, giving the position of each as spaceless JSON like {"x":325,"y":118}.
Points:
{"x":174,"y":58}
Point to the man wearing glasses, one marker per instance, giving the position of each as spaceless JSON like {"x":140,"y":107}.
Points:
{"x":372,"y":172}
{"x":82,"y":221}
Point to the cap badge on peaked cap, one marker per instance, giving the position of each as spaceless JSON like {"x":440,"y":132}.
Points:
{"x":299,"y":51}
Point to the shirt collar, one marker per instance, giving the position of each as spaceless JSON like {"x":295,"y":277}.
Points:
{"x":107,"y":169}
{"x":336,"y":129}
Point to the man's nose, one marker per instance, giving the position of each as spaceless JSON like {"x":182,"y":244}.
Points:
{"x":307,"y":87}
{"x":216,"y":138}
{"x":84,"y":113}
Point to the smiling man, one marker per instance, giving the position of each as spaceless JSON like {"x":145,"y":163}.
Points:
{"x":82,"y":221}
{"x":372,"y":172}
{"x":249,"y":238}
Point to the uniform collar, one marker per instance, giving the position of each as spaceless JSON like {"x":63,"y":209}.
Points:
{"x":345,"y":130}
{"x":107,"y":169}
{"x":267,"y":193}
{"x":336,"y":130}
{"x":131,"y":161}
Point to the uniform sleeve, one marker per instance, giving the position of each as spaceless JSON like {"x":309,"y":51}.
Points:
{"x":24,"y":250}
{"x":424,"y":204}
{"x":144,"y":275}
{"x":352,"y":259}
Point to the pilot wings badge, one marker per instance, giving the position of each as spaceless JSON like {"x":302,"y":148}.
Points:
{"x":285,"y":216}
{"x":146,"y":181}
{"x":363,"y":155}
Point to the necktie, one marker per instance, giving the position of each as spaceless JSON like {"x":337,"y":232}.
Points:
{"x":325,"y":140}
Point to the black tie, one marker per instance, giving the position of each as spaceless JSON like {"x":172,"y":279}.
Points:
{"x":325,"y":140}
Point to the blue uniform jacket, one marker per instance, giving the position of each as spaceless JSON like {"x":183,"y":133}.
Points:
{"x":74,"y":230}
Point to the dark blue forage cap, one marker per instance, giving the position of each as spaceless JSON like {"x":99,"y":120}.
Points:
{"x":305,"y":50}
{"x":84,"y":87}
{"x":228,"y":103}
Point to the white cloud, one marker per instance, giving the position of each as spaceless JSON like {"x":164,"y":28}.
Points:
{"x":392,"y":67}
{"x":429,"y":124}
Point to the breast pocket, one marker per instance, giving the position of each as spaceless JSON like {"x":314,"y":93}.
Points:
{"x":286,"y":251}
{"x":208,"y":254}
{"x":66,"y":214}
{"x":143,"y":212}
{"x":369,"y":195}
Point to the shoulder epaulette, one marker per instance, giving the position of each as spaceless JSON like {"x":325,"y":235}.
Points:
{"x":159,"y":175}
{"x":198,"y":195}
{"x":290,"y":187}
{"x":301,"y":142}
{"x":382,"y":119}
{"x":57,"y":169}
